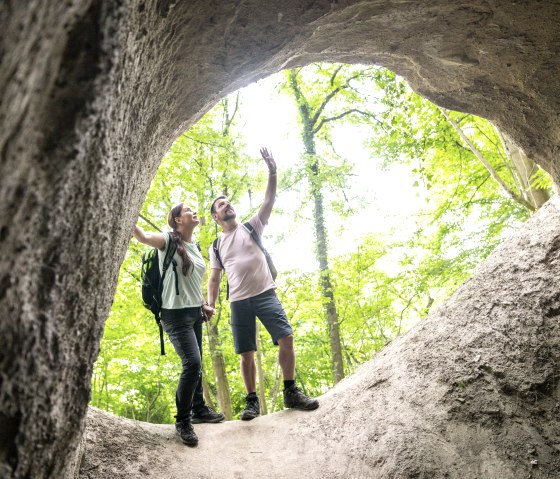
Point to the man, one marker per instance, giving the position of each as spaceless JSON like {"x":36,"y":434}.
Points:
{"x":252,"y":294}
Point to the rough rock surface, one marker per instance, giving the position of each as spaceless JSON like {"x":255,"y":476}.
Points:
{"x":92,"y":93}
{"x":472,"y":392}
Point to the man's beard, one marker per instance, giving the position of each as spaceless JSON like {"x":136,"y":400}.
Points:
{"x":228,"y":216}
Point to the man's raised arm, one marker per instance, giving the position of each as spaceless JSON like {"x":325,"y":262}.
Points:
{"x":270,"y":195}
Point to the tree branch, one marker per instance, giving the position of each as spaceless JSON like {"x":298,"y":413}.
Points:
{"x":216,"y":145}
{"x":329,"y":97}
{"x":338,"y":117}
{"x":487,"y":165}
{"x":333,"y":76}
{"x":149,"y":222}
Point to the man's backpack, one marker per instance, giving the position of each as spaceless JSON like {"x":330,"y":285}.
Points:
{"x":152,"y":281}
{"x":257,"y":240}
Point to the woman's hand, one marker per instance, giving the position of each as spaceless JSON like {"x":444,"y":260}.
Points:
{"x":207,"y":312}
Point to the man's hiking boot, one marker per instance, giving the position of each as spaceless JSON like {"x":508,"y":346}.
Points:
{"x":252,"y":410}
{"x":294,"y":398}
{"x":186,"y":432}
{"x":206,"y":414}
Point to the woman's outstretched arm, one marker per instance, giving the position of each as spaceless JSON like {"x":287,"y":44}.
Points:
{"x":155,"y":240}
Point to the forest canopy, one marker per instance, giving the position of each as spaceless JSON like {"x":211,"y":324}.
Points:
{"x":386,"y":204}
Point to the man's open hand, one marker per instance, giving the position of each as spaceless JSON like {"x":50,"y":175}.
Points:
{"x":269,"y":160}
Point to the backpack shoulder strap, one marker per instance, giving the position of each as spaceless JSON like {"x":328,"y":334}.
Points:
{"x":249,"y":227}
{"x":215,"y":248}
{"x":168,"y":258}
{"x":257,"y":240}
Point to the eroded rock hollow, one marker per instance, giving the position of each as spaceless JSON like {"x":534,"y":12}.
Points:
{"x":93,"y":92}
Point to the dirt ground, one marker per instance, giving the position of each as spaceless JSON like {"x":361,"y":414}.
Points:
{"x":471,"y":392}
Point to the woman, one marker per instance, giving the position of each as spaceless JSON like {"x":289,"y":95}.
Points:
{"x":182,"y":316}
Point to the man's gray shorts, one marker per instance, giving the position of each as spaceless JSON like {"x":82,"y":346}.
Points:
{"x":266,"y":306}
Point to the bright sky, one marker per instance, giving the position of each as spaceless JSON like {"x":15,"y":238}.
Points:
{"x":269,"y":118}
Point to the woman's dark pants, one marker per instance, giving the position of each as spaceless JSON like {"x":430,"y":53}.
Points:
{"x":184,"y":328}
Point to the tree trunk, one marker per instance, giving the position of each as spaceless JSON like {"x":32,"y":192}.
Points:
{"x":326,"y":287}
{"x":275,"y":388}
{"x":207,"y":393}
{"x":218,"y":366}
{"x":260,"y":371}
{"x":321,"y":237}
{"x":152,"y":403}
{"x":524,"y":169}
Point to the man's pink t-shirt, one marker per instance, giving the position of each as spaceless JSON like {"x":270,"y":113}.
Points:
{"x":244,"y":262}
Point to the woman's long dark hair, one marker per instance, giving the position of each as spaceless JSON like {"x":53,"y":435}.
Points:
{"x":181,"y":250}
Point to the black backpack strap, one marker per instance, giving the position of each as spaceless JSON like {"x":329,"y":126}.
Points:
{"x":176,"y":276}
{"x":167,"y":260}
{"x":217,"y":252}
{"x":215,"y":245}
{"x":161,"y":341}
{"x":254,"y":235}
{"x":257,"y":239}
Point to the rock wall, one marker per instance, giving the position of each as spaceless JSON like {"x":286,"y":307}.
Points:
{"x":93,"y":92}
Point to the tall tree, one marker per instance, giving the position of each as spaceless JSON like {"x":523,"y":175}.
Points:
{"x":309,"y":119}
{"x":323,"y":94}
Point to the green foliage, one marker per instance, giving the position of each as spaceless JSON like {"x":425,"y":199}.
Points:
{"x":542,"y":180}
{"x":464,"y":213}
{"x":382,"y":285}
{"x":301,"y":298}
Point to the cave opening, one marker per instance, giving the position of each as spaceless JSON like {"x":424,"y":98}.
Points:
{"x":497,"y":59}
{"x":415,"y":197}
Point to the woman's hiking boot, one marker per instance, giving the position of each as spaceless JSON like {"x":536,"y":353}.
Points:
{"x":186,"y":432}
{"x":206,"y":414}
{"x":252,"y":410}
{"x":294,"y":398}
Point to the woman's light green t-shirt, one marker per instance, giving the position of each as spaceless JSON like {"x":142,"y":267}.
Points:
{"x":190,"y":286}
